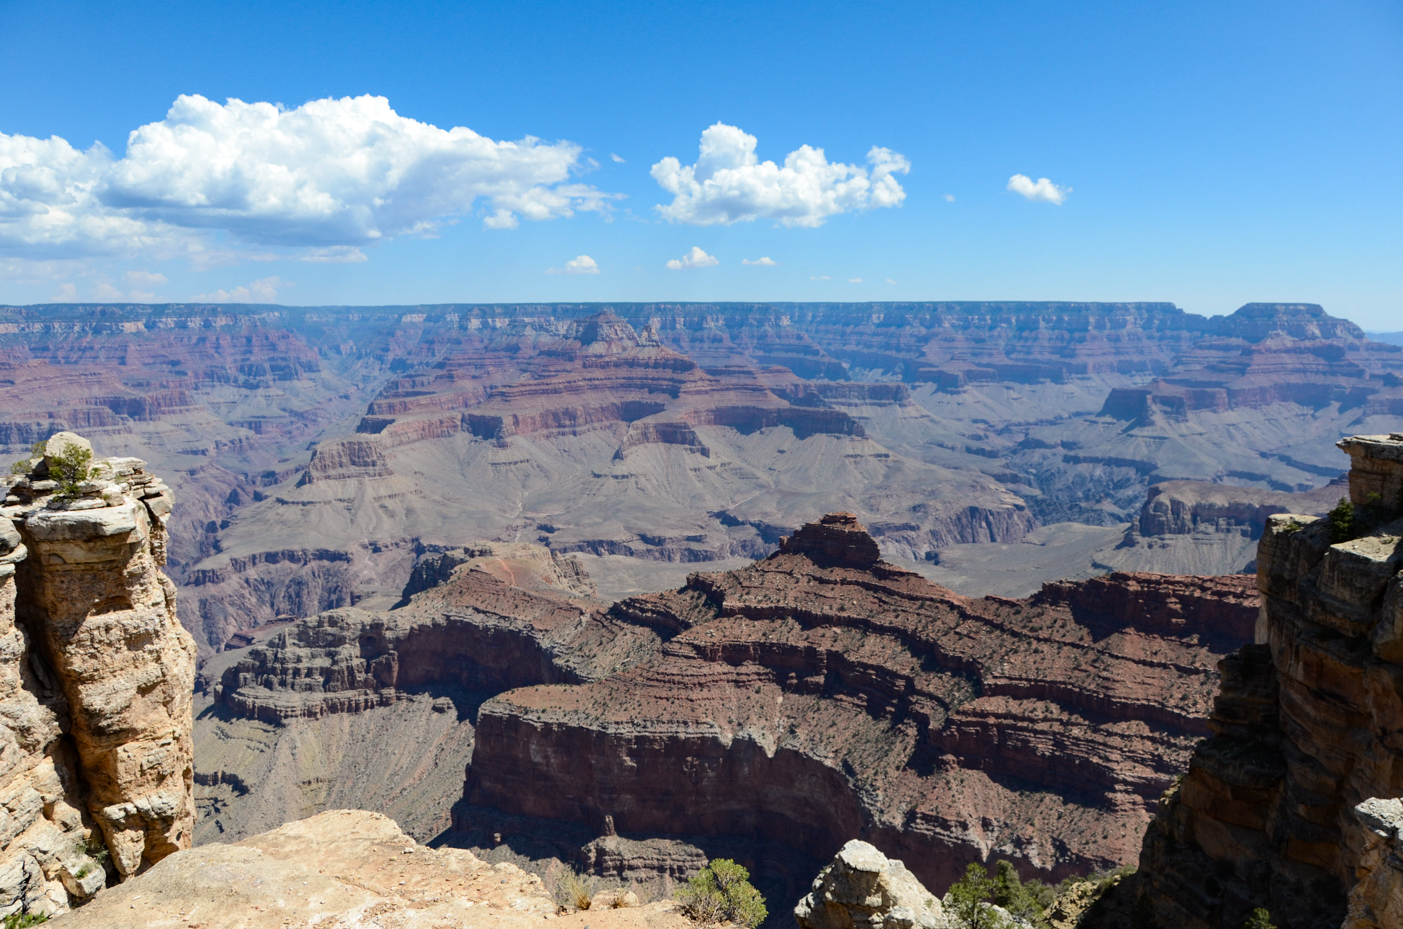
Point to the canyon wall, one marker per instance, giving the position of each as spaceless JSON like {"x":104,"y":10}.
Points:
{"x":777,"y":710}
{"x":1290,"y":803}
{"x":96,"y":675}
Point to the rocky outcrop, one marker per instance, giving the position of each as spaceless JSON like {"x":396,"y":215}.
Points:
{"x":1376,"y":902}
{"x":95,"y":683}
{"x":864,"y":889}
{"x":340,"y":870}
{"x":1277,"y":807}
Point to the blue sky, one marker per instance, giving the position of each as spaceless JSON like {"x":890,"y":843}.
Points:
{"x":1210,"y":154}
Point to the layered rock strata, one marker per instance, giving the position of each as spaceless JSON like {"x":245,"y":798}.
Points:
{"x":1197,"y":527}
{"x":294,"y":717}
{"x":1307,"y":727}
{"x":96,"y":679}
{"x":782,"y":709}
{"x":823,"y":694}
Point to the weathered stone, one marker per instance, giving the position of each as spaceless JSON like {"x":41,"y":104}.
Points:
{"x":1376,"y":902}
{"x":863,"y":889}
{"x":60,"y":442}
{"x":1376,"y":469}
{"x":342,"y":869}
{"x":1279,"y":808}
{"x":95,"y":703}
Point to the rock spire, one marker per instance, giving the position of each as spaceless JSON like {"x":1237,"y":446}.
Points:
{"x":96,"y":677}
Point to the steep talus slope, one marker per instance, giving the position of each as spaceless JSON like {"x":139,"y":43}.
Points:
{"x":1291,"y":803}
{"x":774,"y":711}
{"x":96,"y":675}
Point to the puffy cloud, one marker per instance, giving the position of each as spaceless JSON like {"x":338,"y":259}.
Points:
{"x":766,"y":262}
{"x":617,"y":159}
{"x":854,"y":280}
{"x":263,"y":290}
{"x":949,"y":198}
{"x":1041,"y":189}
{"x":581,"y":265}
{"x":696,"y":258}
{"x":327,"y":177}
{"x":729,"y":184}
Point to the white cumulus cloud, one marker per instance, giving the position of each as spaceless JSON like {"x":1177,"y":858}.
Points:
{"x":696,"y":258}
{"x":326,"y":177}
{"x":1041,"y":189}
{"x":617,"y":159}
{"x":854,"y":280}
{"x":729,"y":183}
{"x":263,"y":290}
{"x":580,"y":265}
{"x":765,"y":261}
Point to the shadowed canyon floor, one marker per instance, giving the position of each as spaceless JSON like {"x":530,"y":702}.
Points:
{"x":774,"y":711}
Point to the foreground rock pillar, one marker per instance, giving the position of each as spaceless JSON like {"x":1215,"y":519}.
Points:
{"x":1292,"y":803}
{"x":116,"y":667}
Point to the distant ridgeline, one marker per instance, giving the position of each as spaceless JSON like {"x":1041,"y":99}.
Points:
{"x":319,"y":451}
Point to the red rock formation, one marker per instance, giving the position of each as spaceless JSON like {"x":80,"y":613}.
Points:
{"x":823,"y":694}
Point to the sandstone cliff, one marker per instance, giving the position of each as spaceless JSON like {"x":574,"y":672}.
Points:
{"x":95,"y":680}
{"x":1287,"y":804}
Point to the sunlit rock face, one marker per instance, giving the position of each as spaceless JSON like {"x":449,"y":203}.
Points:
{"x":96,"y":675}
{"x":1289,"y":804}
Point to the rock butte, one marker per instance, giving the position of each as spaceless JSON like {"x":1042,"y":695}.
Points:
{"x":819,"y":695}
{"x":96,"y":675}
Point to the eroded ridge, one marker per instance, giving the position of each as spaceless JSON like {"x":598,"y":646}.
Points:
{"x":1290,"y":803}
{"x":823,"y":694}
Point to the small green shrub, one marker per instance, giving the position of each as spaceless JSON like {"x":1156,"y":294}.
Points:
{"x":970,"y":899}
{"x":71,"y":468}
{"x":23,"y":920}
{"x":1344,"y":522}
{"x":1260,"y":919}
{"x":722,"y":891}
{"x":1024,"y":899}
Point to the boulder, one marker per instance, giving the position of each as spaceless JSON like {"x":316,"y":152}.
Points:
{"x":864,"y":888}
